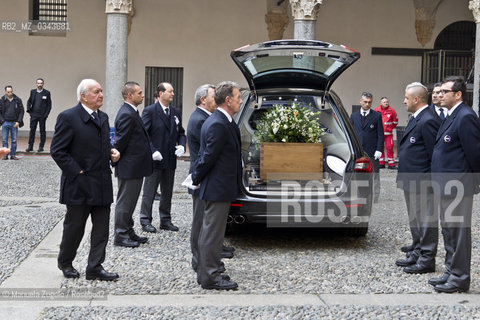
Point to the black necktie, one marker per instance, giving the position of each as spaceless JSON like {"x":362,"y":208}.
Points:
{"x":364,"y":116}
{"x":96,"y":117}
{"x":167,"y":111}
{"x":410,"y":121}
{"x":442,"y":115}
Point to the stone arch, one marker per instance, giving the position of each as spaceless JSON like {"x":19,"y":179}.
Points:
{"x":459,"y":35}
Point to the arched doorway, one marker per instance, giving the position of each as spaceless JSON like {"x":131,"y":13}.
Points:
{"x":453,"y":55}
{"x":459,"y":35}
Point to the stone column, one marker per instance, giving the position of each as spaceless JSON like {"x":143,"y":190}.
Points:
{"x":117,"y":12}
{"x":305,"y":14}
{"x":474,"y":5}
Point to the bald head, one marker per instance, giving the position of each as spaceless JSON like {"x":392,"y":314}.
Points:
{"x":416,"y":89}
{"x":416,"y":96}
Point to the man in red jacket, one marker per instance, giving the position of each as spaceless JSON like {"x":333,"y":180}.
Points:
{"x":390,"y":121}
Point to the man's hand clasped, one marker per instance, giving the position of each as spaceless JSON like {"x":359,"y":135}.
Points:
{"x":157,"y":156}
{"x":114,"y":155}
{"x":179,"y":151}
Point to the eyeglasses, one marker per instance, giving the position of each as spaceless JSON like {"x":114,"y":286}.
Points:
{"x":446,"y":91}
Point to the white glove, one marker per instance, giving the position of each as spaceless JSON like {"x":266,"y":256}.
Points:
{"x":157,"y":156}
{"x":189,"y":183}
{"x":180,"y":151}
{"x":377,"y":155}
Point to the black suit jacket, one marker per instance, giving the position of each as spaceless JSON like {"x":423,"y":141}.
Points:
{"x":370,"y":133}
{"x":131,"y":140}
{"x":79,"y":143}
{"x":218,"y":167}
{"x":416,"y":149}
{"x":194,"y":128}
{"x":164,"y":133}
{"x":456,"y":154}
{"x":45,"y":106}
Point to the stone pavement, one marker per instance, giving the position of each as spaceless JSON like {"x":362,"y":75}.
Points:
{"x":284,"y":275}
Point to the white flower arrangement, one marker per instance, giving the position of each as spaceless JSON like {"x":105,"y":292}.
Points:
{"x":292,"y":123}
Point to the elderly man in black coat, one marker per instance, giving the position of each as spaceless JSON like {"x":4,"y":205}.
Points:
{"x":81,"y":148}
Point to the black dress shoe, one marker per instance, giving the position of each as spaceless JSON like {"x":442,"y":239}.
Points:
{"x":223,"y":277}
{"x":222,"y":269}
{"x":407,"y":248}
{"x":436,"y":281}
{"x":221,"y":285}
{"x":449,"y":288}
{"x":126,"y":243}
{"x":157,"y":197}
{"x":139,"y":239}
{"x":40,"y":149}
{"x":69,"y":272}
{"x":149,"y":228}
{"x":226,"y":255}
{"x":29,"y":149}
{"x":412,"y":259}
{"x":416,"y":268}
{"x":102,"y":275}
{"x":168,"y":225}
{"x":228,"y":249}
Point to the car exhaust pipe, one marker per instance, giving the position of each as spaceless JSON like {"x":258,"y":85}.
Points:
{"x":230,"y":219}
{"x":239,"y":219}
{"x":345,"y":219}
{"x":356,"y":220}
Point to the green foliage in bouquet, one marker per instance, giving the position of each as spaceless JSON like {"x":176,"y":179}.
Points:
{"x":289,"y":124}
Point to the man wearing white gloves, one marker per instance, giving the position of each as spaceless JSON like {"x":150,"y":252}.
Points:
{"x":167,"y":135}
{"x":369,"y":128}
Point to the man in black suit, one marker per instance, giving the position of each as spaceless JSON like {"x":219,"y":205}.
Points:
{"x":133,"y":144}
{"x":415,"y":157}
{"x":435,"y":106}
{"x":39,"y":105}
{"x":164,"y":126}
{"x":218,"y":170}
{"x":205,"y":102}
{"x":455,"y":169}
{"x":81,"y":148}
{"x":369,"y":127}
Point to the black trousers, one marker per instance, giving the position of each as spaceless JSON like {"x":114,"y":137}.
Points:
{"x":73,"y":230}
{"x":210,"y":241}
{"x":127,"y":197}
{"x":423,"y":218}
{"x":33,"y":128}
{"x":456,"y":222}
{"x":165,"y":178}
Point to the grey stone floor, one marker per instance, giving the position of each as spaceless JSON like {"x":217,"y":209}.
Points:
{"x":267,"y":263}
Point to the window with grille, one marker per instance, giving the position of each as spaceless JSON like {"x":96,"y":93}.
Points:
{"x":49,"y":10}
{"x":49,"y":17}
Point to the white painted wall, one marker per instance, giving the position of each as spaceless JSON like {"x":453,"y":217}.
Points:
{"x":199,"y":35}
